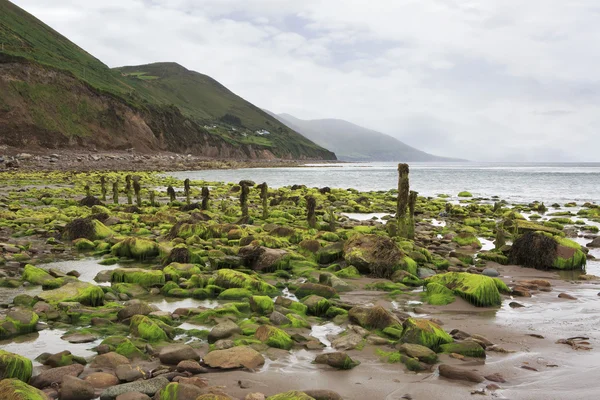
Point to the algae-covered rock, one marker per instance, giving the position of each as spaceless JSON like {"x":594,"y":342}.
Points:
{"x":145,"y":328}
{"x":438,"y":295}
{"x":228,"y":278}
{"x":18,"y":322}
{"x":136,"y":248}
{"x":544,"y":251}
{"x":261,"y":304}
{"x":81,"y":292}
{"x":179,"y":391}
{"x":14,"y":366}
{"x":235,"y":357}
{"x":331,"y":253}
{"x":293,"y":395}
{"x":308,"y":289}
{"x":479,"y":290}
{"x":14,"y":389}
{"x":373,"y":317}
{"x":123,"y":346}
{"x":376,"y":255}
{"x":316,"y":305}
{"x":235,"y":294}
{"x":143,"y":277}
{"x":274,"y":337}
{"x":336,"y":360}
{"x":264,"y":259}
{"x":425,"y":333}
{"x":465,"y":348}
{"x":175,"y":271}
{"x":419,"y":352}
{"x":35,"y":275}
{"x":86,"y":228}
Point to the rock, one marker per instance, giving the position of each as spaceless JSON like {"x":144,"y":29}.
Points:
{"x":423,"y":273}
{"x":455,"y":373}
{"x":422,"y":353}
{"x":292,"y":395}
{"x":467,"y":348}
{"x":347,"y":342}
{"x":514,"y":304}
{"x":425,"y":332}
{"x":133,"y":396}
{"x":175,"y":353}
{"x":48,"y":377}
{"x":102,"y":380}
{"x":134,"y":308}
{"x":376,"y":255}
{"x":73,"y":388}
{"x":274,"y":337}
{"x":320,"y":394}
{"x":191,"y":366}
{"x":264,"y":259}
{"x":109,"y":360}
{"x":336,"y":360}
{"x":126,"y":373}
{"x":59,"y":359}
{"x":194,"y":380}
{"x":223,"y":344}
{"x":79,"y":338}
{"x":566,"y":296}
{"x":15,"y":366}
{"x":520,"y":291}
{"x":307,"y":289}
{"x":594,"y":243}
{"x":255,"y":396}
{"x":180,"y":391}
{"x":235,"y":357}
{"x":82,"y":292}
{"x":496,"y":378}
{"x":14,"y":389}
{"x":278,"y":318}
{"x":373,"y":317}
{"x":223,"y":330}
{"x":148,"y":387}
{"x":491,"y":272}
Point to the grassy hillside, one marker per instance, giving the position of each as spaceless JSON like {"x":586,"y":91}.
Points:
{"x":151,"y":91}
{"x":354,"y":143}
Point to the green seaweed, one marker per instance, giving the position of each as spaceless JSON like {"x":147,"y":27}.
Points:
{"x":479,"y":290}
{"x":15,"y":366}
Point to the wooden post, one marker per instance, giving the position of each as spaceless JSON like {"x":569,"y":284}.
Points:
{"x":205,"y":197}
{"x":311,"y":205}
{"x":403,"y":189}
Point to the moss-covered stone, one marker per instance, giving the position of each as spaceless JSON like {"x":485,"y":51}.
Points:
{"x":228,"y":278}
{"x":124,"y":347}
{"x":438,"y":295}
{"x":261,"y":304}
{"x":274,"y":337}
{"x":176,"y":271}
{"x":143,"y":277}
{"x":465,"y":348}
{"x":81,"y":292}
{"x":479,"y":290}
{"x":18,"y":322}
{"x":426,"y":333}
{"x":14,"y":389}
{"x":308,"y":289}
{"x":235,"y":294}
{"x":145,"y":328}
{"x":14,"y":366}
{"x":372,"y":254}
{"x":136,"y":248}
{"x":316,"y":305}
{"x":293,"y":395}
{"x":35,"y":275}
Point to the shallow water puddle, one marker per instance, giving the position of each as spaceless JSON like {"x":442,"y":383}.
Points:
{"x":8,"y":294}
{"x":88,"y":268}
{"x":46,"y":341}
{"x":436,"y":222}
{"x":286,"y":293}
{"x":365,"y":216}
{"x":170,"y":304}
{"x":321,"y":332}
{"x":487,"y":244}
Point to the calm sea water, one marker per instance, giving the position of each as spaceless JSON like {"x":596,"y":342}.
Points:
{"x":515,"y":182}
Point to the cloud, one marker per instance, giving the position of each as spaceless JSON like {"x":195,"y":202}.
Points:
{"x":477,"y":79}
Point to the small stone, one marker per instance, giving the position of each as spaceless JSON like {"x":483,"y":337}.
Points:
{"x":455,"y":373}
{"x":191,"y":366}
{"x":79,"y":338}
{"x":73,"y":388}
{"x":102,"y":380}
{"x":496,"y":378}
{"x":174,"y":354}
{"x":126,"y":373}
{"x":491,"y":272}
{"x":255,"y":396}
{"x":514,"y":304}
{"x":566,"y":296}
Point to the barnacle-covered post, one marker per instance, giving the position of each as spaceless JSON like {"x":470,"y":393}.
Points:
{"x":103,"y":187}
{"x":264,"y":196}
{"x":171,"y":194}
{"x":137,"y":188}
{"x":205,"y":197}
{"x":311,"y":205}
{"x":128,"y":189}
{"x":403,"y":188}
{"x":412,"y":201}
{"x":116,"y":192}
{"x":500,"y":238}
{"x":332,"y":219}
{"x":186,"y":190}
{"x":88,"y":191}
{"x":152,"y":198}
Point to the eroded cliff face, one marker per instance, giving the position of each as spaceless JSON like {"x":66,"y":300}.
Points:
{"x":44,"y":108}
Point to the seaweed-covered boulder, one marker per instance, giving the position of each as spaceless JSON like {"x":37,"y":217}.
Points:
{"x":438,"y":295}
{"x":123,"y":346}
{"x":331,"y":253}
{"x":293,"y":395}
{"x":316,"y":305}
{"x":336,"y":360}
{"x":81,"y":292}
{"x":479,"y":290}
{"x":14,"y":366}
{"x":264,"y":259}
{"x":86,"y":228}
{"x":179,"y":391}
{"x":262,"y":304}
{"x":235,"y":357}
{"x":134,"y":307}
{"x":425,"y":333}
{"x":228,"y":278}
{"x":376,"y":255}
{"x":148,"y":387}
{"x":18,"y":322}
{"x":308,"y":289}
{"x":136,"y":248}
{"x":544,"y":251}
{"x":467,"y":348}
{"x":419,"y":352}
{"x":175,"y":353}
{"x":143,"y":277}
{"x":375,"y":317}
{"x":36,"y":275}
{"x":148,"y":329}
{"x":274,"y":337}
{"x":174,"y":271}
{"x":14,"y":389}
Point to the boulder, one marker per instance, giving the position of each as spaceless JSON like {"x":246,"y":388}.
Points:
{"x":51,"y":376}
{"x":594,"y":244}
{"x":126,"y":373}
{"x":14,"y":389}
{"x":373,"y":317}
{"x":375,"y":255}
{"x":419,"y":352}
{"x":277,"y":318}
{"x":80,"y":292}
{"x":308,"y":289}
{"x":73,"y":388}
{"x":223,"y":330}
{"x":134,"y":307}
{"x":336,"y":360}
{"x":180,"y":391}
{"x":479,"y":290}
{"x":148,"y":387}
{"x":264,"y":259}
{"x":456,"y":373}
{"x":274,"y":337}
{"x":191,"y":366}
{"x":236,"y":357}
{"x":174,"y":354}
{"x":425,"y":333}
{"x":102,"y":380}
{"x":109,"y":360}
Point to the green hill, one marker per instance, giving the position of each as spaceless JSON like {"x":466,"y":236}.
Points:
{"x":354,"y":143}
{"x":55,"y":94}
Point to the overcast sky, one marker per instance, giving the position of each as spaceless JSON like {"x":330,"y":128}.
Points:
{"x":478,"y":79}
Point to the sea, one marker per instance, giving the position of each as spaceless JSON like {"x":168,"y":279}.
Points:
{"x":515,"y":182}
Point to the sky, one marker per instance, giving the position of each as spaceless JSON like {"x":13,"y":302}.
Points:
{"x":486,"y":80}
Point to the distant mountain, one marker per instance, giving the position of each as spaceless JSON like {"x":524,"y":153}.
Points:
{"x":54,"y":94}
{"x":351,"y":142}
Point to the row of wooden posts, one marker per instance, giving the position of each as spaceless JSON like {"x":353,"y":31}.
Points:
{"x":403,"y":226}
